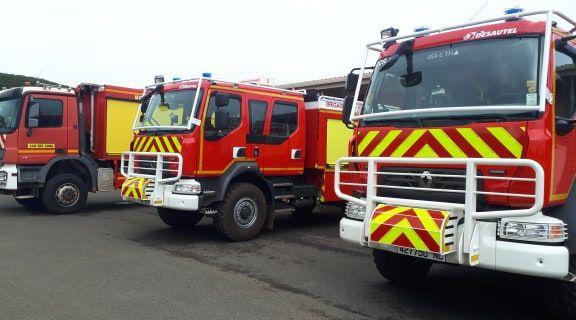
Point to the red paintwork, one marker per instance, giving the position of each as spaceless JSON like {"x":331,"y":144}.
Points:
{"x":556,"y":154}
{"x":210,"y":159}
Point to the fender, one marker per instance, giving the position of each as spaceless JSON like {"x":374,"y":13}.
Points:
{"x":567,"y":213}
{"x":42,"y":173}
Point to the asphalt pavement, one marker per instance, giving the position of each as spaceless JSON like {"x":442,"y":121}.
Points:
{"x":119,"y":261}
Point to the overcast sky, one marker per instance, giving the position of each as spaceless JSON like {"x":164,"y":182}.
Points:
{"x":129,"y":42}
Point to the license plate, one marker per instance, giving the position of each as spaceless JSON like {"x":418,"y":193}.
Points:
{"x":422,"y":254}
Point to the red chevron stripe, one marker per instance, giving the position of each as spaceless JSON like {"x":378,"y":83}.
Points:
{"x":173,"y":144}
{"x":462,"y":143}
{"x":163,"y":143}
{"x":403,"y":241}
{"x":374,"y":143}
{"x":494,"y":143}
{"x":396,"y":143}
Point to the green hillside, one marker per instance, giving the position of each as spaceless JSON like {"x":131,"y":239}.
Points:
{"x":15,"y":80}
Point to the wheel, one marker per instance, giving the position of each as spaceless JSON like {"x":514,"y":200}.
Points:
{"x":305,"y":209}
{"x":179,"y":219}
{"x":400,"y":269}
{"x":30,"y":203}
{"x":561,"y":296}
{"x":241,"y":215}
{"x":64,"y":193}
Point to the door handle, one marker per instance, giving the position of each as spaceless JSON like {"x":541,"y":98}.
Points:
{"x":296,"y":154}
{"x":256,"y":151}
{"x":239,"y":152}
{"x":60,"y":151}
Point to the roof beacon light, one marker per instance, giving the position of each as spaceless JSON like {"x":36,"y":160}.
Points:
{"x":389,"y":33}
{"x":206,"y":74}
{"x":513,"y":10}
{"x":176,"y":79}
{"x":421,"y":28}
{"x":158,"y":79}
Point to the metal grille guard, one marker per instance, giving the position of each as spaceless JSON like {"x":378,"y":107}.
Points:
{"x":132,"y":162}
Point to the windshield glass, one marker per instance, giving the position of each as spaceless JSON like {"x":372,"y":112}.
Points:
{"x":8,"y":114}
{"x":170,"y":109}
{"x":499,"y":72}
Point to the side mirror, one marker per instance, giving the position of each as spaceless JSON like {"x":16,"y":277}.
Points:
{"x":564,"y":126}
{"x":347,"y":110}
{"x":221,"y":120}
{"x":351,"y":82}
{"x":33,"y":115}
{"x":411,"y":79}
{"x":221,"y":99}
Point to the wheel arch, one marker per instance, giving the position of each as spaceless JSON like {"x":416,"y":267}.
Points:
{"x":245,"y":172}
{"x":71,"y":164}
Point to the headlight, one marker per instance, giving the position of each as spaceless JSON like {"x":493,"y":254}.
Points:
{"x":3,"y":176}
{"x":528,"y":231}
{"x":192,"y":187}
{"x":355,"y":211}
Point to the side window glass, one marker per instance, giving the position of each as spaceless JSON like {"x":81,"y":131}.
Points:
{"x":233,"y":110}
{"x":258,"y":110}
{"x":284,"y":119}
{"x":565,"y":85}
{"x":50,"y":113}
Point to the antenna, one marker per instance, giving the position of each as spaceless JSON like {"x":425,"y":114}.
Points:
{"x":478,"y":11}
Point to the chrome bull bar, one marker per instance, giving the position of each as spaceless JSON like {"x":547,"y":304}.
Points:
{"x":370,"y":184}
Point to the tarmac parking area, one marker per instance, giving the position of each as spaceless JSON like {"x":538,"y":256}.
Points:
{"x":118,"y":261}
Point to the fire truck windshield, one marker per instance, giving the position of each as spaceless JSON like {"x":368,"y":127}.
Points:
{"x":497,"y":72}
{"x":8,"y":114}
{"x":170,"y":109}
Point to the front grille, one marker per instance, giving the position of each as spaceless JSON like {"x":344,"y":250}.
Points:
{"x":420,"y":178}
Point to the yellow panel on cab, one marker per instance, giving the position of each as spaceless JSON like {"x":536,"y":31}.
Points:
{"x":120,"y":117}
{"x":338,"y":137}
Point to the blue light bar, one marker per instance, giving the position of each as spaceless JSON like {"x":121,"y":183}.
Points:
{"x":421,"y":28}
{"x":206,"y":74}
{"x":513,"y":10}
{"x":176,"y":79}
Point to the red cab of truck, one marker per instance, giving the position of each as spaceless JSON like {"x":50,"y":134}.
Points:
{"x":57,"y":144}
{"x":238,"y":153}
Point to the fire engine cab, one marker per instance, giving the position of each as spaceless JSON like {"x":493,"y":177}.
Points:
{"x":57,"y":144}
{"x":236,"y":152}
{"x":464,"y":151}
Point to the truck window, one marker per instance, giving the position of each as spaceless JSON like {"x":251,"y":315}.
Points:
{"x":50,"y":113}
{"x":233,"y":109}
{"x":565,"y":85}
{"x":284,"y":119}
{"x":258,"y":110}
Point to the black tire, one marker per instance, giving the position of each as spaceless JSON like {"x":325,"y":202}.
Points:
{"x":30,"y":203}
{"x":241,"y":215}
{"x":305,"y":210}
{"x":64,"y":194}
{"x":179,"y":219}
{"x":561,"y":296}
{"x":400,"y":269}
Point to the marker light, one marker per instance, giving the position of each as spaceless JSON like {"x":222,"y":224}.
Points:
{"x":421,"y":28}
{"x":206,"y":74}
{"x":389,"y":33}
{"x":513,"y":10}
{"x":158,"y":79}
{"x":176,"y":79}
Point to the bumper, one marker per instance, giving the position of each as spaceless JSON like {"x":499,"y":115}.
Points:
{"x":11,"y":181}
{"x":162,"y":195}
{"x":546,"y":261}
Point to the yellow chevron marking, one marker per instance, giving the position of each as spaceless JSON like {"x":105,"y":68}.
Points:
{"x":383,"y":216}
{"x":428,"y":222}
{"x":177,"y":144}
{"x":404,"y":227}
{"x":147,"y":145}
{"x":447,"y":143}
{"x":388,"y":139}
{"x":477,"y":143}
{"x":507,"y":140}
{"x":366,"y":141}
{"x":410,"y":140}
{"x":426,"y":152}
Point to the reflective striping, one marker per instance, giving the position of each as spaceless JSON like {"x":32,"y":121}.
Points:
{"x":507,"y":140}
{"x":157,"y":144}
{"x":366,"y":140}
{"x":416,"y":228}
{"x":385,"y":143}
{"x":482,"y":142}
{"x":447,"y":143}
{"x":412,"y":138}
{"x":135,"y":188}
{"x":477,"y":143}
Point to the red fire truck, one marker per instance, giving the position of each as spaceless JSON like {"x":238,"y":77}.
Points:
{"x":464,"y":151}
{"x":57,"y":144}
{"x":238,"y":153}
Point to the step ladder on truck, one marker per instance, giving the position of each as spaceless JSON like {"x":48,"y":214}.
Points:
{"x":463,"y":152}
{"x":235,"y":152}
{"x":57,"y":143}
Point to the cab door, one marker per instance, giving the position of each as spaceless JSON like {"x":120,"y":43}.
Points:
{"x":220,"y":147}
{"x":44,"y":133}
{"x":285,"y":141}
{"x":258,"y":109}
